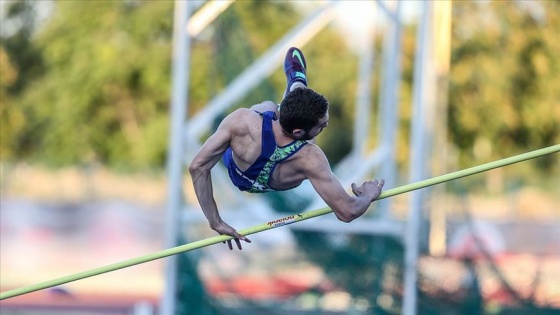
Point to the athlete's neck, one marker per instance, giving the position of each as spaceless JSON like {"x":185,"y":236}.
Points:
{"x":281,"y":135}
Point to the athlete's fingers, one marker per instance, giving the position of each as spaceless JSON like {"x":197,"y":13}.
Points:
{"x":355,"y":189}
{"x":237,"y":237}
{"x":238,"y":244}
{"x":241,"y":237}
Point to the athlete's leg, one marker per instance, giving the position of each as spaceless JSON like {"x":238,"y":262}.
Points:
{"x":295,"y":69}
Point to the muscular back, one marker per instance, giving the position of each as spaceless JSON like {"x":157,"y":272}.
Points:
{"x":246,"y":146}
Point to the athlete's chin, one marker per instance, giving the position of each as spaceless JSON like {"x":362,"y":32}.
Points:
{"x":307,"y":137}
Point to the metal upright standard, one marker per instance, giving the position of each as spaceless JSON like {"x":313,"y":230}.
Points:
{"x":180,"y":65}
{"x":422,"y":101}
{"x":389,"y":103}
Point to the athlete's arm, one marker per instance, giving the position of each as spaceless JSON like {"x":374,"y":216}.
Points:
{"x":345,"y":207}
{"x":200,"y":168}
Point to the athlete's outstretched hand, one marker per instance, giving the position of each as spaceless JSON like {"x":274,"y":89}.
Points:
{"x":224,"y":229}
{"x":369,"y":188}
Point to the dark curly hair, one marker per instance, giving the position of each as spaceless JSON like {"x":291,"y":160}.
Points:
{"x":301,"y":109}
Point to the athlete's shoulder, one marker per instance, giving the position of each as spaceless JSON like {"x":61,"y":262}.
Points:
{"x":240,"y":117}
{"x":313,"y":162}
{"x":312,"y":154}
{"x":241,"y":113}
{"x":241,"y":122}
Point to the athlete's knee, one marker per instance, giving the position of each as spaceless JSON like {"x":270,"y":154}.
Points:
{"x":264,"y":106}
{"x":269,"y":104}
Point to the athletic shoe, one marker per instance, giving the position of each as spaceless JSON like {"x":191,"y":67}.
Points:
{"x":294,"y":67}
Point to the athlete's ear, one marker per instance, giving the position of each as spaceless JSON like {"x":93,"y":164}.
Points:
{"x":298,"y":133}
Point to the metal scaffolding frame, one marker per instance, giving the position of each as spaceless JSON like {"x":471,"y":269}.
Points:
{"x":185,"y":135}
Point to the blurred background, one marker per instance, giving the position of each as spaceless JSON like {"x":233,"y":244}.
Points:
{"x":91,"y":173}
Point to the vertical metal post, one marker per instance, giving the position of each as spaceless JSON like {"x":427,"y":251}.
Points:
{"x":441,"y":55}
{"x":363,"y":102}
{"x":389,"y":102}
{"x":180,"y":83}
{"x":417,"y":158}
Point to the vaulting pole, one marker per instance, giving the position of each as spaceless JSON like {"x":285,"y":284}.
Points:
{"x":276,"y":223}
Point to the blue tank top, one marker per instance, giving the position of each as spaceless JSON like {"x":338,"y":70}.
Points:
{"x":256,"y":178}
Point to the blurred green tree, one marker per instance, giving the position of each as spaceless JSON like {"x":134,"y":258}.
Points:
{"x":504,"y":96}
{"x":11,"y":117}
{"x":104,"y":93}
{"x":20,"y":62}
{"x":95,"y":88}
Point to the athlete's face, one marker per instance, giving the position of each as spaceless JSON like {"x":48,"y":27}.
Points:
{"x":315,"y":131}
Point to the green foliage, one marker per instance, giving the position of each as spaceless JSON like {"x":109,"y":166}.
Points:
{"x":361,"y":264}
{"x":504,"y":95}
{"x":19,"y":62}
{"x":234,"y":51}
{"x":11,"y":117}
{"x":92,"y":83}
{"x":104,"y":94}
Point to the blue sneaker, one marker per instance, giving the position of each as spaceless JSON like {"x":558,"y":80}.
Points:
{"x":294,"y":67}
